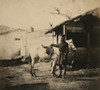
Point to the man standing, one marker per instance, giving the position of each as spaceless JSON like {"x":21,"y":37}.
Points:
{"x":63,"y":53}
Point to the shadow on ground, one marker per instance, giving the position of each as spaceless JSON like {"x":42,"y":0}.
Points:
{"x":16,"y":62}
{"x":35,"y":86}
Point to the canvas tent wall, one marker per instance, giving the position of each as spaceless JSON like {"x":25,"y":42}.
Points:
{"x":13,"y":44}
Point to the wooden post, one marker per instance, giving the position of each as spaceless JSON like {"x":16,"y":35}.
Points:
{"x":88,"y":48}
{"x":64,"y":31}
{"x":53,"y":35}
{"x":66,"y":34}
{"x":57,"y":38}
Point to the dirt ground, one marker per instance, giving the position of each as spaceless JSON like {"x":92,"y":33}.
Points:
{"x":18,"y":78}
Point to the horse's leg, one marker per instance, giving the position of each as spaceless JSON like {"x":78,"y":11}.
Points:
{"x":30,"y":61}
{"x":53,"y":67}
{"x":32,"y":67}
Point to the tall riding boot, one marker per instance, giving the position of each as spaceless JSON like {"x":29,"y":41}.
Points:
{"x":64,"y":75}
{"x":60,"y":75}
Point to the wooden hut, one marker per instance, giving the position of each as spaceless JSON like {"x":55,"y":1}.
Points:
{"x":84,"y":30}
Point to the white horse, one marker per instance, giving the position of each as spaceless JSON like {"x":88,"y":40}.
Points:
{"x":38,"y":53}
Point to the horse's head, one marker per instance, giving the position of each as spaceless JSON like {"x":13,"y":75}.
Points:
{"x":71,"y":45}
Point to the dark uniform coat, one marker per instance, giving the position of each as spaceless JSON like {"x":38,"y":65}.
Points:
{"x":63,"y":53}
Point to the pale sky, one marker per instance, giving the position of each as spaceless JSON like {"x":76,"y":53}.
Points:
{"x":36,"y":13}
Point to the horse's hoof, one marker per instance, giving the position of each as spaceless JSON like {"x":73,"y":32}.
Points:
{"x":53,"y":75}
{"x":33,"y":75}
